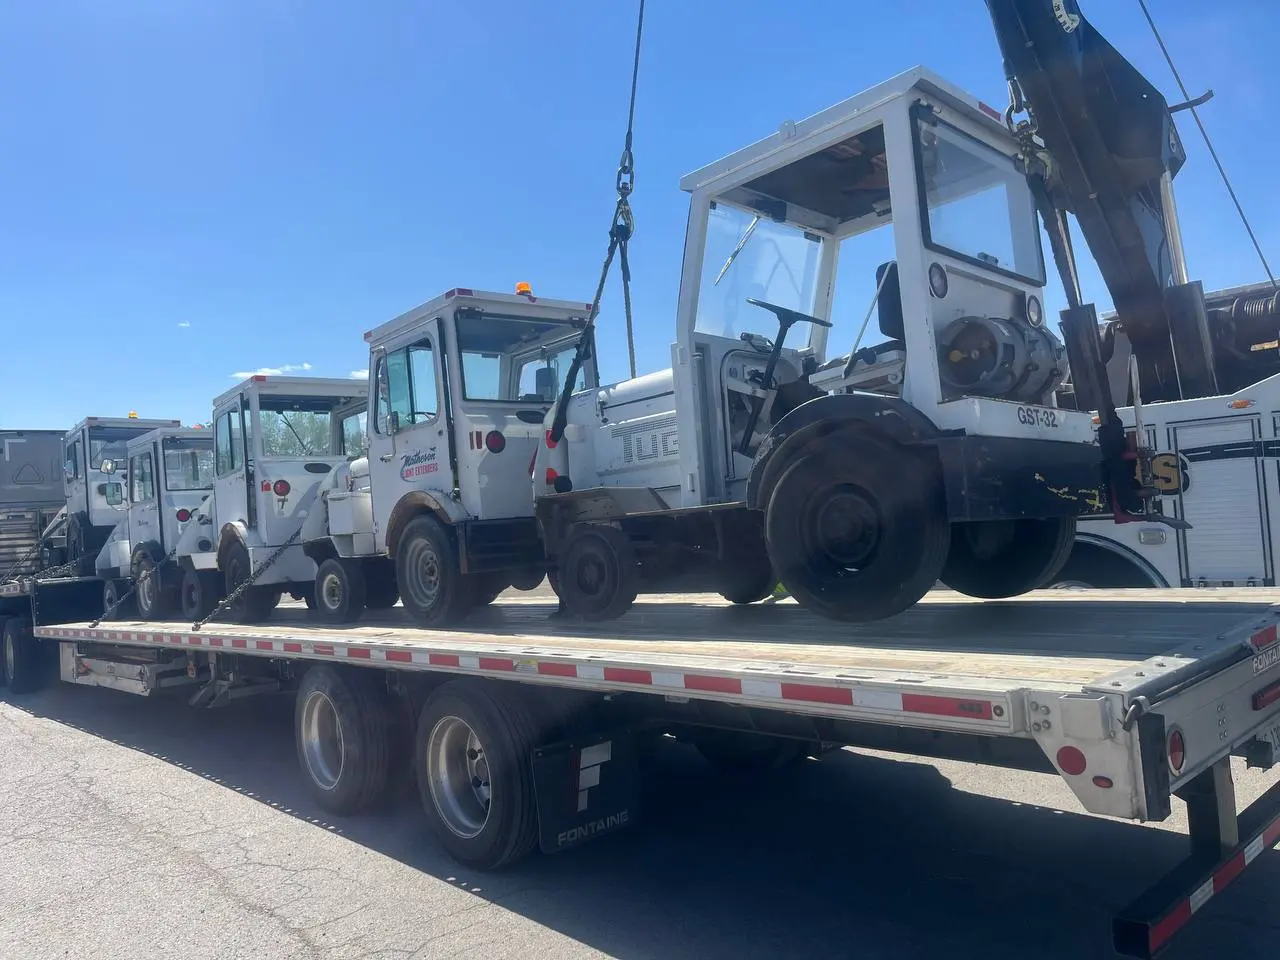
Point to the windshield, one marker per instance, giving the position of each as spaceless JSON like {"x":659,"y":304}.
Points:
{"x":776,"y":262}
{"x":297,"y":426}
{"x":108,"y":443}
{"x":188,"y":464}
{"x":503,"y":358}
{"x":978,"y":205}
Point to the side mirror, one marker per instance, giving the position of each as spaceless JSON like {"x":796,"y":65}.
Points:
{"x":108,"y":467}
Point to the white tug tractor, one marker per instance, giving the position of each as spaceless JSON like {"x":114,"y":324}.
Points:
{"x":857,"y":471}
{"x":95,"y":500}
{"x":276,"y":441}
{"x":439,"y":512}
{"x":170,"y":474}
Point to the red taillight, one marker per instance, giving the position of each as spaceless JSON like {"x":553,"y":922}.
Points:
{"x":1177,"y":751}
{"x":1071,"y":761}
{"x":551,"y":476}
{"x":495,"y":442}
{"x":1266,"y":696}
{"x":551,"y":441}
{"x":1103,"y":783}
{"x":184,"y":515}
{"x":281,"y":488}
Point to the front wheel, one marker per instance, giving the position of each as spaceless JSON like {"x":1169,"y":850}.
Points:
{"x":255,"y":603}
{"x":157,"y":599}
{"x":112,"y":591}
{"x":199,"y":593}
{"x":993,"y":559}
{"x":597,"y":577}
{"x":432,"y":585}
{"x":474,"y":773}
{"x":856,"y":528}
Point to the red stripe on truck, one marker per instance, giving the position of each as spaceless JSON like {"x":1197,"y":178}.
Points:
{"x":628,"y":675}
{"x":946,"y":706}
{"x":694,"y":681}
{"x":812,"y":693}
{"x":553,"y":668}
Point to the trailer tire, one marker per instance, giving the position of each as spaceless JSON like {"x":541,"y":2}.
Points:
{"x":4,"y":672}
{"x":198,"y":594}
{"x":22,"y":660}
{"x":432,"y":586}
{"x":1007,"y":558}
{"x":473,"y":758}
{"x":596,"y":574}
{"x":256,"y":603}
{"x":857,"y":529}
{"x":112,"y":590}
{"x":342,"y":725}
{"x":340,"y":590}
{"x":745,"y":755}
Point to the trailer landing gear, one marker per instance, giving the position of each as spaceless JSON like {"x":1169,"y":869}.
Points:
{"x":856,"y":528}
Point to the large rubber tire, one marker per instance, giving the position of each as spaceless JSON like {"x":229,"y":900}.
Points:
{"x":340,"y":590}
{"x":857,"y":529}
{"x":22,"y":655}
{"x":158,"y":596}
{"x":4,"y":673}
{"x":112,"y":590}
{"x":432,"y":586}
{"x":748,"y":577}
{"x":256,"y":603}
{"x":342,"y":727}
{"x":381,"y":592}
{"x":1006,"y":558}
{"x":745,"y":755}
{"x":1091,"y":566}
{"x":596,"y":573}
{"x":199,"y":593}
{"x":479,"y":834}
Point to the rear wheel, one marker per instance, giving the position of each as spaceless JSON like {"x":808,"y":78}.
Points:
{"x":255,"y":603}
{"x":857,"y":529}
{"x":157,"y":598}
{"x":1005,"y":558}
{"x":432,"y":585}
{"x":474,"y":773}
{"x":342,"y":724}
{"x":199,"y":593}
{"x":23,"y":662}
{"x":340,"y":590}
{"x":112,"y":591}
{"x":596,"y":576}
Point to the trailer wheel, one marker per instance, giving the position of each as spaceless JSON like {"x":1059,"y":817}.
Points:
{"x":343,"y":729}
{"x":22,"y":660}
{"x":199,"y":593}
{"x":745,"y":755}
{"x":857,"y":530}
{"x":1005,"y":558}
{"x":597,"y":577}
{"x":432,"y":585}
{"x":112,"y":590}
{"x":157,"y":598}
{"x":4,"y":669}
{"x":380,"y":589}
{"x":256,"y":603}
{"x":475,"y":774}
{"x":340,"y":590}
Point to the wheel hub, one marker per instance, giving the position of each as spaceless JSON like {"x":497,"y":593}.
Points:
{"x":424,"y":562}
{"x":322,"y":745}
{"x":845,"y":526}
{"x":146,"y":588}
{"x":331,"y":591}
{"x":458,"y":775}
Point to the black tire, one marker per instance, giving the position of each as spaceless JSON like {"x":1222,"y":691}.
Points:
{"x":22,"y":655}
{"x":380,"y":589}
{"x":857,"y":530}
{"x":745,"y":755}
{"x":76,"y":549}
{"x":507,"y":733}
{"x":157,"y":596}
{"x":596,"y":574}
{"x":340,"y":590}
{"x":4,"y":673}
{"x":199,"y":593}
{"x":1005,"y":558}
{"x":342,"y":728}
{"x":1094,"y":567}
{"x":747,"y":578}
{"x":112,"y":590}
{"x":255,"y":604}
{"x":490,"y":586}
{"x":432,"y":586}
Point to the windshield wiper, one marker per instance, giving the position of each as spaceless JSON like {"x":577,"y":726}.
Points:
{"x":742,"y":242}
{"x":306,"y":447}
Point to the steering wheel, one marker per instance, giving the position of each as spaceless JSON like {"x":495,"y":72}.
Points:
{"x":787,"y":317}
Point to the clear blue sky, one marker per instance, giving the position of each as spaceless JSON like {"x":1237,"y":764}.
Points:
{"x":191,"y":190}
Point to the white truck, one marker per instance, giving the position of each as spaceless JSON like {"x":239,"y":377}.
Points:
{"x":170,"y":474}
{"x":31,"y":496}
{"x":439,"y":512}
{"x":276,"y":441}
{"x":95,"y":500}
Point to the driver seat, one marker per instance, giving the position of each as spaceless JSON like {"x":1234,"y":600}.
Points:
{"x":888,"y":316}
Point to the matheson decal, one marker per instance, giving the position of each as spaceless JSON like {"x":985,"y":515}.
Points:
{"x":414,"y":465}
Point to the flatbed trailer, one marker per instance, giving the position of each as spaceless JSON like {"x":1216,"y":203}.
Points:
{"x":1131,"y":697}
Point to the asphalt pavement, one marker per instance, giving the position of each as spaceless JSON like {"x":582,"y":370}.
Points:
{"x":143,"y":828}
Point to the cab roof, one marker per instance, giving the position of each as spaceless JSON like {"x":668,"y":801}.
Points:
{"x":120,"y":422}
{"x":524,"y":305}
{"x":164,"y":433}
{"x":339,"y":387}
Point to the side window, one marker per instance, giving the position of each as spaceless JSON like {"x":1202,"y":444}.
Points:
{"x":227,"y":443}
{"x":354,"y":441}
{"x":406,"y":381}
{"x":422,"y":380}
{"x":73,"y":457}
{"x":142,"y":479}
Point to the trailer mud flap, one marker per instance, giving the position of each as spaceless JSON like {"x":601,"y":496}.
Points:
{"x":585,"y":789}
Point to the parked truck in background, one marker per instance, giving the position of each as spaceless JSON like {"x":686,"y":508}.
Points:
{"x":31,"y":494}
